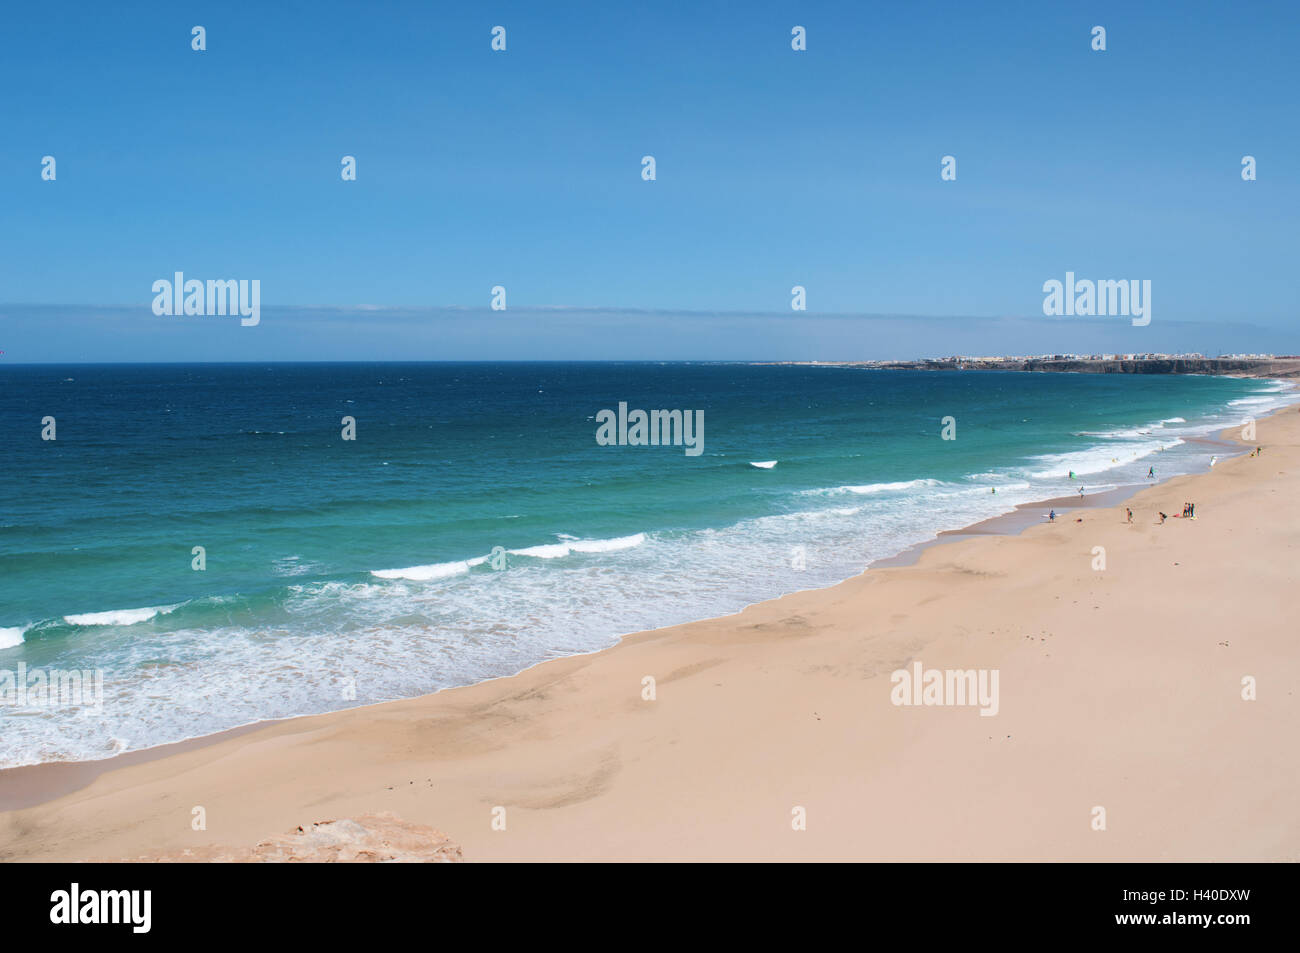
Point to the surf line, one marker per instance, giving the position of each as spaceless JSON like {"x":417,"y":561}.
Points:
{"x":657,"y":428}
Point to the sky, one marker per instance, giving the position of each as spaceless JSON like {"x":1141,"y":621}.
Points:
{"x":522,"y":168}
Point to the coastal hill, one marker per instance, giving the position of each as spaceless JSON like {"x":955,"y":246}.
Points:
{"x":1242,"y":366}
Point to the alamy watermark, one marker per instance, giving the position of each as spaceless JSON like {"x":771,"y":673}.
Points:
{"x":51,"y":688}
{"x":655,"y":428}
{"x":75,"y":905}
{"x":946,"y":687}
{"x":194,"y":297}
{"x":1130,"y":298}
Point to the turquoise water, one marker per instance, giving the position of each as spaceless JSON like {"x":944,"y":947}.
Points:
{"x":348,"y":572}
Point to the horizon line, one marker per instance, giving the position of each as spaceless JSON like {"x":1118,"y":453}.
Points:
{"x":946,"y":358}
{"x":395,"y":309}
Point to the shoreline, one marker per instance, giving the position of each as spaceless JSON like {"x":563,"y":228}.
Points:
{"x":1017,"y":520}
{"x":49,"y":786}
{"x":29,"y":785}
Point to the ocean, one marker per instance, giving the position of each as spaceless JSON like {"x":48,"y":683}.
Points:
{"x":475,"y":526}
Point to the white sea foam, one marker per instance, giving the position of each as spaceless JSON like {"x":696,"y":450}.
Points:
{"x":966,"y":490}
{"x":1094,"y":488}
{"x":119,"y":616}
{"x":1130,"y":433}
{"x":607,"y":545}
{"x":424,"y":573}
{"x":9,"y":637}
{"x":1252,"y":401}
{"x":763,"y":464}
{"x":996,"y":478}
{"x":870,"y":489}
{"x":1096,"y":459}
{"x":571,"y":545}
{"x":544,"y":551}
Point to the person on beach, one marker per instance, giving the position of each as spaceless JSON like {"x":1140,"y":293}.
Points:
{"x":1130,"y":514}
{"x":1080,"y":492}
{"x":1051,"y":517}
{"x":1163,"y":517}
{"x":1151,"y":473}
{"x":1071,"y":474}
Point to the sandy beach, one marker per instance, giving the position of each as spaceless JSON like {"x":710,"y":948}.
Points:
{"x":1119,"y":688}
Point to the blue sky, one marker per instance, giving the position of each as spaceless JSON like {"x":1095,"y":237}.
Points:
{"x":522,"y":169}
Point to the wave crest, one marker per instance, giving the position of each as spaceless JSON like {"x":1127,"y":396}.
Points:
{"x":11,"y":636}
{"x":119,"y":616}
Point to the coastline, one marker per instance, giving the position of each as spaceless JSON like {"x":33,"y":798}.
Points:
{"x":715,"y":555}
{"x":469,"y":720}
{"x":33,"y":784}
{"x":1023,"y":515}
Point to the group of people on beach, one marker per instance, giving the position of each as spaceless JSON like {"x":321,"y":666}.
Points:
{"x":1189,"y":512}
{"x":1189,"y":509}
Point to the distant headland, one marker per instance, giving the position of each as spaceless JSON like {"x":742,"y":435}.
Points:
{"x":1240,"y":365}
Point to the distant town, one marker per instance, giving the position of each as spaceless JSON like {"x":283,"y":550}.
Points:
{"x":1242,"y":365}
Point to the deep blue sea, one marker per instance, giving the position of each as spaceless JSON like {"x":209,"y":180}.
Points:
{"x":342,"y":573}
